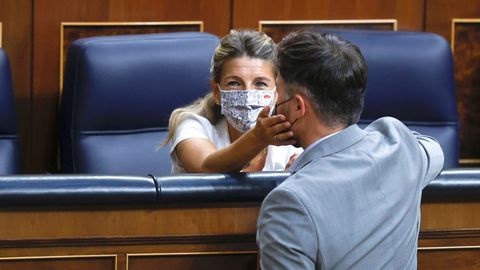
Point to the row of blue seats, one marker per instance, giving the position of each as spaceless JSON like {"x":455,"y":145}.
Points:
{"x":119,"y":92}
{"x":34,"y":190}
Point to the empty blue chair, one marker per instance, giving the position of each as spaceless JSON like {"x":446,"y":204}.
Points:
{"x":411,"y":77}
{"x":118,"y":94}
{"x":9,"y":141}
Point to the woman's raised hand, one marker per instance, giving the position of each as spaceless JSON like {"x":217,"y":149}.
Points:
{"x":274,"y":129}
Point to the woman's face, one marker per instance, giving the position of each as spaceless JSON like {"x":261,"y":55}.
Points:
{"x":245,"y":73}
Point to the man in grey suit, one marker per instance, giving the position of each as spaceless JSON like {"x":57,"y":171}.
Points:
{"x":353,"y":199}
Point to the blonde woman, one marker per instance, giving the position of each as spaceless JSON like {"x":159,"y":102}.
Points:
{"x":230,"y":129}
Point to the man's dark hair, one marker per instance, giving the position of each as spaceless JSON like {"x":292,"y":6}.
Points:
{"x":330,"y":71}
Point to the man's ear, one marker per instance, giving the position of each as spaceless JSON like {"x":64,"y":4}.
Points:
{"x":215,"y":91}
{"x":301,"y":105}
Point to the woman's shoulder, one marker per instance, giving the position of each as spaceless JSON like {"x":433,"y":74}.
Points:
{"x":198,"y":126}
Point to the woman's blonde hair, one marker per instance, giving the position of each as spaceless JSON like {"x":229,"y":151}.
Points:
{"x":237,"y":43}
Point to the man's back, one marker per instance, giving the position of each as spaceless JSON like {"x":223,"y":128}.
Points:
{"x":353,"y":201}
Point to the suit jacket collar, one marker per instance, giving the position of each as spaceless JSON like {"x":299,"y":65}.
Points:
{"x":336,"y":143}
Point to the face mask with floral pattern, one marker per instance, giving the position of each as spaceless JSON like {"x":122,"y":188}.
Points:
{"x":242,"y":107}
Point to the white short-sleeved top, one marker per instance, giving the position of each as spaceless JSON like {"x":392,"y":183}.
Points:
{"x":196,"y":126}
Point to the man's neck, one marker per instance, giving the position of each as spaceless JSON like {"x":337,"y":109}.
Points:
{"x":317,"y":131}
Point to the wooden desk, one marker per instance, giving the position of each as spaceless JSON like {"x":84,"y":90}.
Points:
{"x":192,"y":236}
{"x":450,"y":236}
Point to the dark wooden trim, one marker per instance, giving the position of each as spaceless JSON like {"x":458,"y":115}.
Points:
{"x":446,"y":234}
{"x":122,"y":241}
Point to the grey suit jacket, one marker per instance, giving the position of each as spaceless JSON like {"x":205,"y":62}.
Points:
{"x":352,"y":201}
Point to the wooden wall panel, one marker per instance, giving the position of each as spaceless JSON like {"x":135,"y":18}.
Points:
{"x":60,"y":262}
{"x":439,"y":16}
{"x":449,"y":249}
{"x":48,"y":15}
{"x":279,"y":29}
{"x":94,"y":221}
{"x":215,"y":14}
{"x":247,"y":13}
{"x":16,"y":18}
{"x":179,"y":236}
{"x":465,"y":44}
{"x":436,"y":216}
{"x":239,"y":260}
{"x":450,"y":258}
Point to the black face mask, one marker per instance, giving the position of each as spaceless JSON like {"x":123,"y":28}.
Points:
{"x":294,"y":121}
{"x":277,"y":105}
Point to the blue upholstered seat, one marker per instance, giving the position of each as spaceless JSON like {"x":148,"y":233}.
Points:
{"x":9,"y":142}
{"x":411,"y":77}
{"x":118,"y":95}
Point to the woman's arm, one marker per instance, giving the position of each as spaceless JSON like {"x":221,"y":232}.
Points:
{"x":201,"y":155}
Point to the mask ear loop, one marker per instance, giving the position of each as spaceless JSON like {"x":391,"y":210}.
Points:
{"x":219,"y":103}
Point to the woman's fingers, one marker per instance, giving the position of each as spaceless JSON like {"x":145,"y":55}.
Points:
{"x":272,"y":120}
{"x":275,"y":129}
{"x":264,"y":113}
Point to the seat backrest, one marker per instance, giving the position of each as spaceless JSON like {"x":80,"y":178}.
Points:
{"x":410,"y":77}
{"x":118,"y":94}
{"x":9,"y":146}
